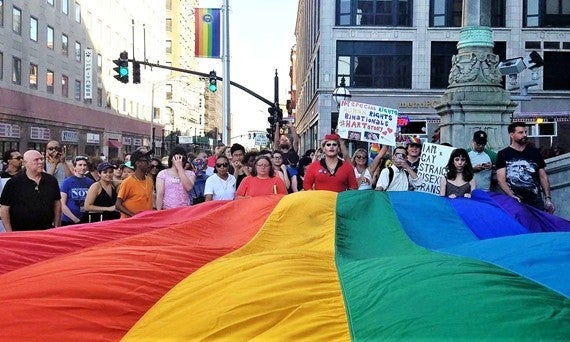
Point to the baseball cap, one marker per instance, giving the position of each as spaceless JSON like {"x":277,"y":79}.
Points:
{"x":480,"y":138}
{"x":414,"y":141}
{"x":104,"y":166}
{"x":139,"y":154}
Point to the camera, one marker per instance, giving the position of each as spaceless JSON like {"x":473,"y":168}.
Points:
{"x":512,"y":66}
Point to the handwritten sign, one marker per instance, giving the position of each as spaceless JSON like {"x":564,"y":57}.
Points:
{"x":433,"y":161}
{"x":366,"y":122}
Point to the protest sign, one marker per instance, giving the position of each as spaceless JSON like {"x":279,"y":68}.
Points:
{"x":366,"y":122}
{"x":433,"y":160}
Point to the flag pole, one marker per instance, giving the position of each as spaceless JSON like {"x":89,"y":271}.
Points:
{"x":226,"y":115}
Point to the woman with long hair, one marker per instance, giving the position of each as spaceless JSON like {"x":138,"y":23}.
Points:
{"x":262,"y":181}
{"x":458,"y":181}
{"x":174,"y":183}
{"x":363,"y":172}
{"x":297,"y":180}
{"x":102,"y":195}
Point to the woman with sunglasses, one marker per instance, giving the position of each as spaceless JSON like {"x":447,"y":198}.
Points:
{"x":331,"y":172}
{"x":221,"y":185}
{"x":102,"y":196}
{"x":174,"y":183}
{"x":154,"y":168}
{"x":262,"y":181}
{"x":364,"y":172}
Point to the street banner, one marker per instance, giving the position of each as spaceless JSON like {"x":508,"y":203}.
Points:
{"x":433,"y":160}
{"x":367,"y":122}
{"x":207,"y":31}
{"x":88,"y":73}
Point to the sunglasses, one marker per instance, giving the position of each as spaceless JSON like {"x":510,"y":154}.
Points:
{"x":331,"y":144}
{"x":360,"y":157}
{"x":54,"y":148}
{"x":222,"y":165}
{"x":78,"y":158}
{"x":153,"y":166}
{"x":17,"y":158}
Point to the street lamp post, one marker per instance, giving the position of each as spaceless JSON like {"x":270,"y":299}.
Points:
{"x":339,"y":94}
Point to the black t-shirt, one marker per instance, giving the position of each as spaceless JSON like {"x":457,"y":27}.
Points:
{"x":291,"y":157}
{"x":31,"y":204}
{"x":522,"y":171}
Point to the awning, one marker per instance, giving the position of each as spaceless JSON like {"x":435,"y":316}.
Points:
{"x":114,"y":143}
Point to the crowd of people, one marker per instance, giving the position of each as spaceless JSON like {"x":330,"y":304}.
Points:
{"x":45,"y":190}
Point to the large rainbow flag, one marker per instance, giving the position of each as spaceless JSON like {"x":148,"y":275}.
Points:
{"x":207,"y":32}
{"x":317,"y":265}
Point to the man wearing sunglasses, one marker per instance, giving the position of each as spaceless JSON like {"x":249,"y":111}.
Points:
{"x":55,"y":162}
{"x":73,"y":193}
{"x":13,"y":159}
{"x":399,"y":176}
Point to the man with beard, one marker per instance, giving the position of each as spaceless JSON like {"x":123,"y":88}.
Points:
{"x":520,"y":171}
{"x":290,"y":151}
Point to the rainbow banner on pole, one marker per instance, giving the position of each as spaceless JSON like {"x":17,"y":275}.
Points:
{"x":207,"y":30}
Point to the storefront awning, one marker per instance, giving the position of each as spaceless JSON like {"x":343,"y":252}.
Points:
{"x":114,"y":143}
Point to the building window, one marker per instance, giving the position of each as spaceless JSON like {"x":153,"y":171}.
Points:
{"x":448,"y":13}
{"x":16,"y":70}
{"x":17,"y":20}
{"x":169,"y":46}
{"x":77,"y":12}
{"x":49,"y":81}
{"x":78,"y":90}
{"x":1,"y":13}
{"x":99,"y":61}
{"x":557,"y":71}
{"x":64,"y":86}
{"x":546,"y":13}
{"x":441,"y":54}
{"x":374,"y":12}
{"x":100,"y":97}
{"x":50,"y":2}
{"x":64,"y":45}
{"x":169,"y":5}
{"x":375,"y":64}
{"x":168,"y":92}
{"x":1,"y":65}
{"x":64,"y":7}
{"x":34,"y":29}
{"x":78,"y":51}
{"x":50,"y":37}
{"x":33,"y":76}
{"x":168,"y":25}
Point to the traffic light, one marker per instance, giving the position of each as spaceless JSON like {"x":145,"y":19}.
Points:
{"x":271,"y":119}
{"x":122,"y":68}
{"x":213,"y":79}
{"x":136,"y":72}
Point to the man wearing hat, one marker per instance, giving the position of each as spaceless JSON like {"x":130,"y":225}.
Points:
{"x":481,"y":161}
{"x":135,"y":193}
{"x":331,"y":172}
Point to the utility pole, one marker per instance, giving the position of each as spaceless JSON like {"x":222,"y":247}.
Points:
{"x":226,"y":115}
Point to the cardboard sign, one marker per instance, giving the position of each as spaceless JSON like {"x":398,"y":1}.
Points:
{"x":433,"y":161}
{"x":366,"y":122}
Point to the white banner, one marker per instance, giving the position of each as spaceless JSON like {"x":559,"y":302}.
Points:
{"x":88,"y":89}
{"x":433,"y":161}
{"x":367,"y":122}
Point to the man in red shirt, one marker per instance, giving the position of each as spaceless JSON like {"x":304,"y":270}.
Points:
{"x":331,"y":172}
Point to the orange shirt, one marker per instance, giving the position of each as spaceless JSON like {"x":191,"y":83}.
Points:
{"x":136,"y":194}
{"x":253,"y":186}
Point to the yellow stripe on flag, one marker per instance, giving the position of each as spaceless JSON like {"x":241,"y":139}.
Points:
{"x":282,"y":285}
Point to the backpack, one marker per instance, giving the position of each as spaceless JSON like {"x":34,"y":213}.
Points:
{"x":391,"y":175}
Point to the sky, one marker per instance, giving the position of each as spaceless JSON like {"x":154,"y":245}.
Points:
{"x":262,"y":34}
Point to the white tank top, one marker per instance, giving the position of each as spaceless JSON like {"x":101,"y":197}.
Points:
{"x":364,"y":183}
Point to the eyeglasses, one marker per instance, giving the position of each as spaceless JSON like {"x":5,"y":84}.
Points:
{"x":278,"y":157}
{"x":51,"y":148}
{"x":331,"y":144}
{"x":222,"y":165}
{"x":78,"y":158}
{"x":360,"y":157}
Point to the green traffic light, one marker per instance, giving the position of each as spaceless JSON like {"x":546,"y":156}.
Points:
{"x":213,"y":88}
{"x":123,"y":71}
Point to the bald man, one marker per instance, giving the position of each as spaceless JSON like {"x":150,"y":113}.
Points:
{"x":31,"y":199}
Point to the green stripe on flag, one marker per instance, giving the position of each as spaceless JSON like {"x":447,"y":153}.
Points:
{"x":394,"y":289}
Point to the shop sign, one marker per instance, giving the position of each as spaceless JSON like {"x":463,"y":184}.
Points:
{"x":69,"y":136}
{"x":137,"y":142}
{"x":40,"y":133}
{"x":9,"y":131}
{"x":93,"y":138}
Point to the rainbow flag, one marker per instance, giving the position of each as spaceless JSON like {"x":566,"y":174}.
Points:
{"x":207,"y":31}
{"x":316,"y":265}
